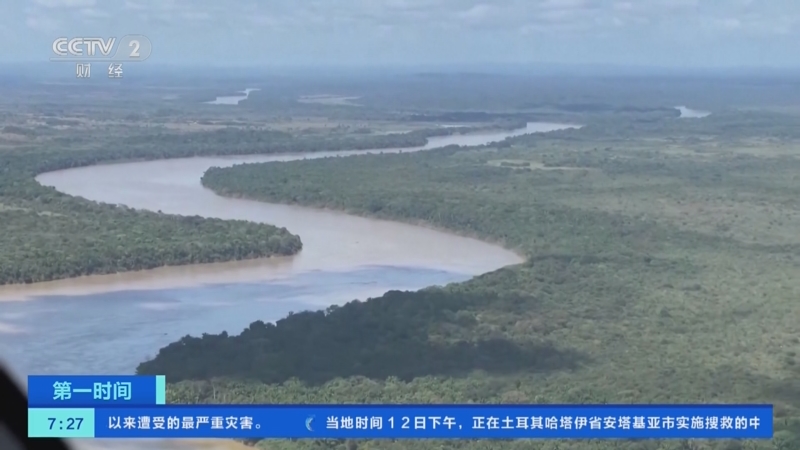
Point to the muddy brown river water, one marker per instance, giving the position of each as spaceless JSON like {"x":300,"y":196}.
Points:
{"x":110,"y":323}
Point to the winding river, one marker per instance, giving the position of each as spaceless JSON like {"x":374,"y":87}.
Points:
{"x":109,"y":323}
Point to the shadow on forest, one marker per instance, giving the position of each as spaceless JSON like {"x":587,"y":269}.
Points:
{"x":417,"y":359}
{"x":389,"y":336}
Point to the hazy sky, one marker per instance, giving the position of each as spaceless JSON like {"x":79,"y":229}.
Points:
{"x":627,"y":32}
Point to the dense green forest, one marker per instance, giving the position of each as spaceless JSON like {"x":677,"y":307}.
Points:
{"x":660,"y":269}
{"x":662,"y":253}
{"x":48,"y":235}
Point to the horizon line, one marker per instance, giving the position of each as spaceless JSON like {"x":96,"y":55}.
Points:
{"x":425,"y":64}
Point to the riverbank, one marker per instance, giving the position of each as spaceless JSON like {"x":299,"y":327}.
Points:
{"x":58,"y":236}
{"x":359,"y":242}
{"x":173,"y":187}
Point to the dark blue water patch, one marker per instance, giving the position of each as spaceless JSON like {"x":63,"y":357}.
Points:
{"x":112,"y":332}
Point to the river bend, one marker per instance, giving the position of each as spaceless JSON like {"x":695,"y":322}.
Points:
{"x":109,"y":323}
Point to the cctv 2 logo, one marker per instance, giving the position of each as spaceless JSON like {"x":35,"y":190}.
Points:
{"x":133,"y":47}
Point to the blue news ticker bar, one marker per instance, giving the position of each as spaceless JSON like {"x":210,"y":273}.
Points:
{"x":410,"y":422}
{"x":89,"y":391}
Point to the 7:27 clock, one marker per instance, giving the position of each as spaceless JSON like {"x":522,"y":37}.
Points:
{"x":69,"y":423}
{"x":60,"y":422}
